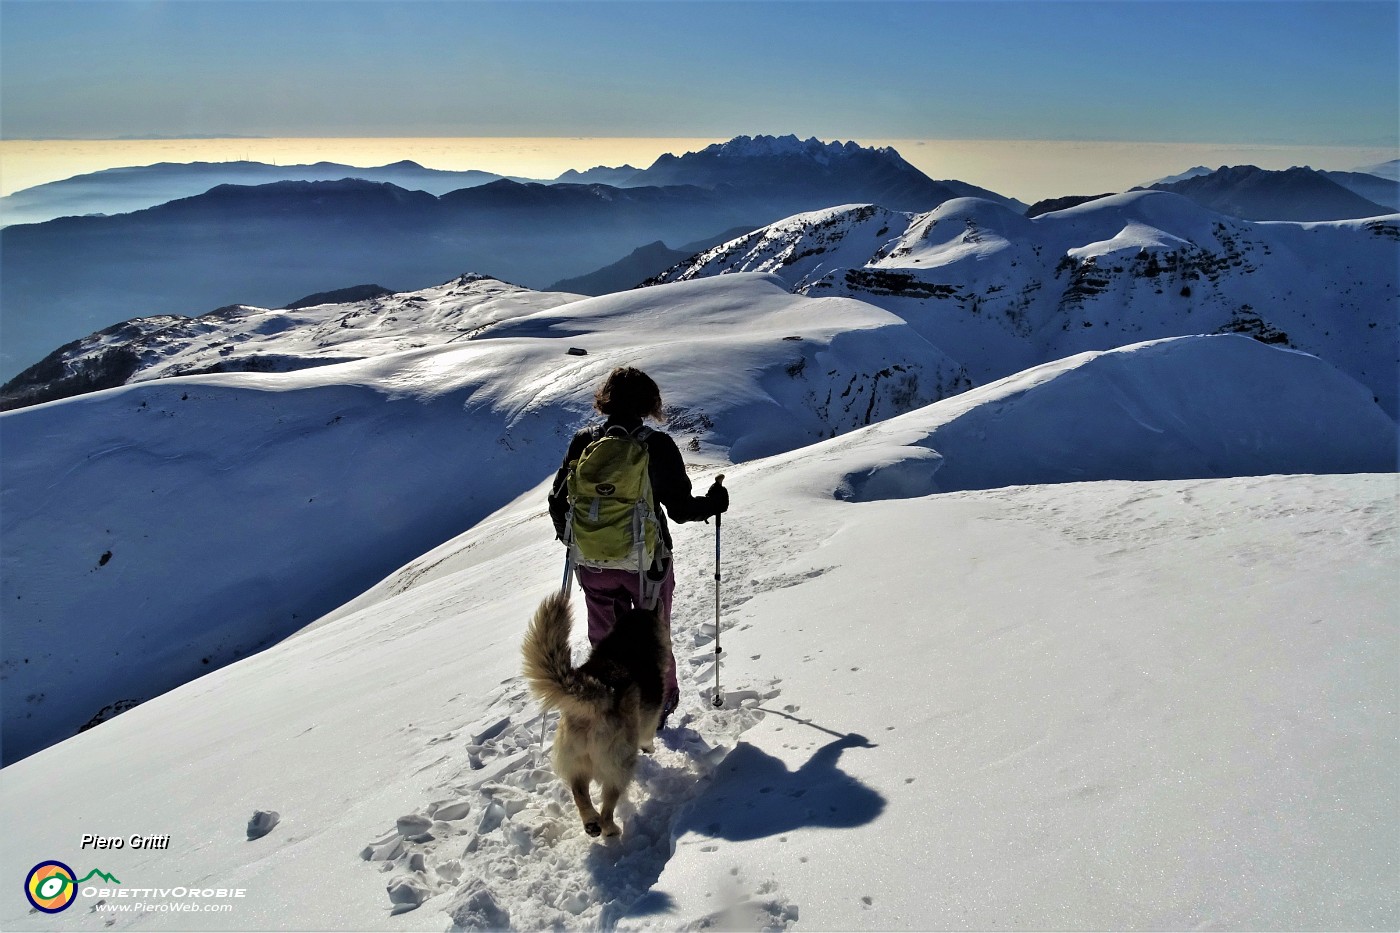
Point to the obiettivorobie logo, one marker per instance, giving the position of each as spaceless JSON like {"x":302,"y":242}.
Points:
{"x":51,"y":886}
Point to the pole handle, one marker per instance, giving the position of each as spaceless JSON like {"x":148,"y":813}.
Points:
{"x":719,"y":481}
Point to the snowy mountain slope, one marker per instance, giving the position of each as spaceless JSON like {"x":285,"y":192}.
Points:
{"x":1127,"y":718}
{"x":1186,"y":407}
{"x":1110,"y":705}
{"x":802,"y":247}
{"x":275,"y":497}
{"x":1000,"y":293}
{"x":1062,"y":203}
{"x":246,"y":339}
{"x":828,"y":366}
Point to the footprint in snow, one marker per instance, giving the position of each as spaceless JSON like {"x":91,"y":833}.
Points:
{"x":501,"y":846}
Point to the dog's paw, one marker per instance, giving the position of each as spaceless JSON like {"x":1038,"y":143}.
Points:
{"x":593,"y":828}
{"x":611,"y":829}
{"x":649,"y":748}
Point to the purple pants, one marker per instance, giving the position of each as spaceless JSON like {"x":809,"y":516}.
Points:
{"x":601,"y":588}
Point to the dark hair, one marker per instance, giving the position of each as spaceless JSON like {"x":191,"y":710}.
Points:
{"x":628,"y":393}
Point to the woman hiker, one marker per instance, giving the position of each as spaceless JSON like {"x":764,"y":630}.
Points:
{"x":626,"y":398}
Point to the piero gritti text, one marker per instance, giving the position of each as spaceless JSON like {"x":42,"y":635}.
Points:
{"x":134,"y":841}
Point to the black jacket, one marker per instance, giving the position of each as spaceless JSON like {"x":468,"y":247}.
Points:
{"x":670,"y":484}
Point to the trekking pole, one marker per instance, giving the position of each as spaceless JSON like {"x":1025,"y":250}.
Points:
{"x":568,"y":573}
{"x":718,"y":700}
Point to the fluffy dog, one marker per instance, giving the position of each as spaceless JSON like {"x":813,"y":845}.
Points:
{"x":608,"y":708}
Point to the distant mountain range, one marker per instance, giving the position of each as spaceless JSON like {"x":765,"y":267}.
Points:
{"x":264,"y":244}
{"x":844,"y":172}
{"x":847,"y":171}
{"x":134,"y":188}
{"x":619,"y":177}
{"x":1302,"y":194}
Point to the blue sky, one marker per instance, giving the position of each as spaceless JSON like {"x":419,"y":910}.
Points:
{"x":1240,"y":72}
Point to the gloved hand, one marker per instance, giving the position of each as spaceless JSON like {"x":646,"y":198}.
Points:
{"x":718,"y":498}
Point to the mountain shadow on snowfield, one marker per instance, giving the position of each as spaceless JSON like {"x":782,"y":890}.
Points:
{"x":754,"y":795}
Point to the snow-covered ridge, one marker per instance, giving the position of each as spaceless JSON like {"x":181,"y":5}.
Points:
{"x":241,"y":338}
{"x":1178,"y":408}
{"x":804,"y":246}
{"x":1000,"y":293}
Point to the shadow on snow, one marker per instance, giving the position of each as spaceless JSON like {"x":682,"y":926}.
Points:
{"x":750,"y":796}
{"x":754,"y":795}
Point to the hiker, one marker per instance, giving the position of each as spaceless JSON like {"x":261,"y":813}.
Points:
{"x":625,"y":398}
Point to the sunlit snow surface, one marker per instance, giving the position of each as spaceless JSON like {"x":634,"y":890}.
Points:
{"x":1165,"y":698}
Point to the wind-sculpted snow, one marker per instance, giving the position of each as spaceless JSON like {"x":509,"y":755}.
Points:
{"x":1000,"y":293}
{"x":1183,"y":408}
{"x":829,"y":365}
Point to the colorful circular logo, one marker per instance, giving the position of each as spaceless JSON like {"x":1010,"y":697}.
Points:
{"x":51,"y":886}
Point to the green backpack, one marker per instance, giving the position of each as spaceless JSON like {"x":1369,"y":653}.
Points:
{"x":612,"y":512}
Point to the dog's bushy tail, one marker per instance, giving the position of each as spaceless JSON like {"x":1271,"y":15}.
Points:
{"x":549,"y":668}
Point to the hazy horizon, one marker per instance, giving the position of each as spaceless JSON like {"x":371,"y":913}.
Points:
{"x":1028,"y":98}
{"x":1029,"y":170}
